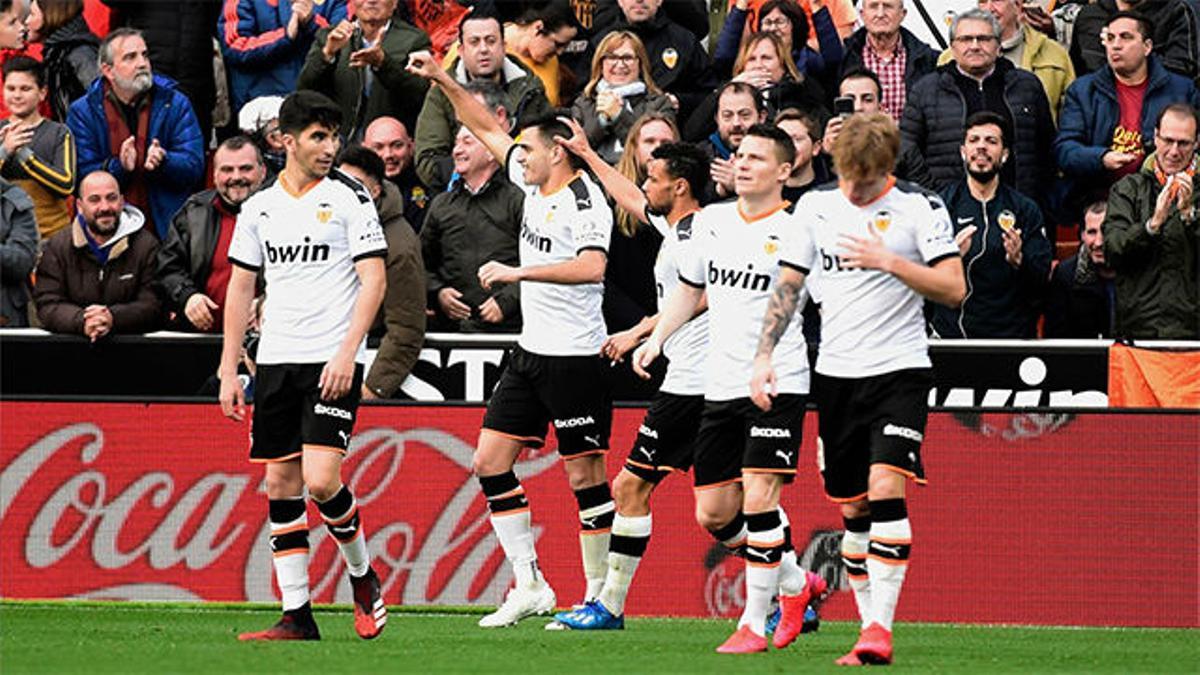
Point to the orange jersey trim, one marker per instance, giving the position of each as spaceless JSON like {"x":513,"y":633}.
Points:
{"x":846,"y":500}
{"x":276,"y":460}
{"x":717,"y":485}
{"x":748,"y":219}
{"x":586,"y":453}
{"x":789,"y":472}
{"x":540,"y":440}
{"x":323,"y":448}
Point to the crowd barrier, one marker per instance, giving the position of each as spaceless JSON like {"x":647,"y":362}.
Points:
{"x":1065,"y":518}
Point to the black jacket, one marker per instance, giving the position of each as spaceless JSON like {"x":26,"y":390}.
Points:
{"x":70,"y":60}
{"x":931,"y":130}
{"x":920,"y":59}
{"x":185,"y":258}
{"x":1001,"y":301}
{"x":1079,"y":304}
{"x":806,"y":95}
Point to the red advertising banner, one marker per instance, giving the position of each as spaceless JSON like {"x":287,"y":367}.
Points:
{"x":1044,"y":519}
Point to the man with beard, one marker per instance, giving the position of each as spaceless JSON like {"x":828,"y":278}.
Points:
{"x":738,"y":108}
{"x":388,"y":138}
{"x":140,"y":128}
{"x":193,"y":263}
{"x":1079,"y":302}
{"x":999,"y":233}
{"x":97,"y":276}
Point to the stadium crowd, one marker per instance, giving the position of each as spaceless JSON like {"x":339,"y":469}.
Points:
{"x":1064,"y":146}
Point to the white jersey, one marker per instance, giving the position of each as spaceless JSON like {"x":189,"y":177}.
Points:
{"x":871,"y":322}
{"x":561,"y":319}
{"x":687,"y":347}
{"x":737,"y":261}
{"x":306,"y":246}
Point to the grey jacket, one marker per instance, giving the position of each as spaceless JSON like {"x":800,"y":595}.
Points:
{"x":18,"y":254}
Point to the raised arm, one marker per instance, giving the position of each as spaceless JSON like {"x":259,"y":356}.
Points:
{"x":470,"y":112}
{"x":624,"y":191}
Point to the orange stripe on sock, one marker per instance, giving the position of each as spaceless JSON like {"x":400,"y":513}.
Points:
{"x":888,"y":561}
{"x":855,"y":556}
{"x":290,"y":551}
{"x":900,"y":542}
{"x":523,"y":509}
{"x":764,"y":544}
{"x":591,"y":532}
{"x":285,"y":530}
{"x":511,"y":493}
{"x":344,"y":518}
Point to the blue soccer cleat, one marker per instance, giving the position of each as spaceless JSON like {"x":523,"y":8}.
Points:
{"x":591,"y":616}
{"x":812,"y":620}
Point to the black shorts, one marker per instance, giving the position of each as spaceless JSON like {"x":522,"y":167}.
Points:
{"x":736,"y":436}
{"x":666,"y":439}
{"x":289,"y":412}
{"x":572,"y":392}
{"x":870,"y":420}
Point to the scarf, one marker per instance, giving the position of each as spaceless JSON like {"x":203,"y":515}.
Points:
{"x":135,"y":191}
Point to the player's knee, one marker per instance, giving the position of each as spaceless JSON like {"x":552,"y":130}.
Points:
{"x":712,"y":519}
{"x":856,"y":509}
{"x":631,"y":493}
{"x":486,"y":464}
{"x":280,"y":486}
{"x":322,"y":488}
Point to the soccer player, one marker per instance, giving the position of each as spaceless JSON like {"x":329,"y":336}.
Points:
{"x":555,"y":373}
{"x":743,"y":455}
{"x":872,"y":248}
{"x":315,"y":237}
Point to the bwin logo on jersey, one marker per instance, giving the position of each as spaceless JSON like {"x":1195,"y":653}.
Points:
{"x":745,"y":279}
{"x":321,"y":409}
{"x":534,"y":239}
{"x":573,"y":422}
{"x":769,"y":432}
{"x":293,"y":253}
{"x":903,"y":432}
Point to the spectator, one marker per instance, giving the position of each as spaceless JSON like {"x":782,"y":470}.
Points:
{"x":13,"y":34}
{"x":678,"y":64}
{"x":360,"y":65}
{"x":480,"y":57}
{"x":264,"y":43}
{"x":1108,"y":117}
{"x":477,"y":220}
{"x":787,"y":20}
{"x":70,"y":51}
{"x":938,"y":106}
{"x":863,"y":87}
{"x":259,"y":120}
{"x":738,"y":109}
{"x":537,"y":38}
{"x":1029,"y":49}
{"x":438,"y":19}
{"x":140,"y":128}
{"x":388,"y":138}
{"x":1151,"y":236}
{"x":621,"y":90}
{"x":36,"y":154}
{"x":690,"y":14}
{"x":401,"y":318}
{"x":97,"y":276}
{"x":1006,"y":255}
{"x":1082,"y":292}
{"x":805,"y":131}
{"x":629,"y":287}
{"x":767,"y":66}
{"x":193,"y":262}
{"x":18,"y":252}
{"x":841,"y":14}
{"x":179,"y":37}
{"x":889,"y":50}
{"x":1173,"y":33}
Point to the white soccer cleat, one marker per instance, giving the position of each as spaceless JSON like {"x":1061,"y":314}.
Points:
{"x":521,"y":603}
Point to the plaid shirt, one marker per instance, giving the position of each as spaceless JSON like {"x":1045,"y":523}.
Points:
{"x":891,"y":76}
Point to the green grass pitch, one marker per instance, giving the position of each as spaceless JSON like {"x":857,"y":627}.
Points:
{"x":95,"y":638}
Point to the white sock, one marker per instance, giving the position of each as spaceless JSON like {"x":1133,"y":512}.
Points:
{"x":515,"y":532}
{"x":854,"y":557}
{"x":291,"y":573}
{"x":887,"y":571}
{"x":594,"y":537}
{"x":792,"y":578}
{"x":629,"y":533}
{"x":289,"y":545}
{"x":761,"y":583}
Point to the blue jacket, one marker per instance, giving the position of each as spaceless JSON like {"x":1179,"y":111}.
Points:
{"x":1090,"y":113}
{"x":260,"y":58}
{"x":172,"y":122}
{"x":808,"y":61}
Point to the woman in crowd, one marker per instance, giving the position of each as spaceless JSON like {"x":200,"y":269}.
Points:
{"x":620,"y":91}
{"x":69,"y":53}
{"x":787,"y":20}
{"x":537,"y":38}
{"x":766,"y":65}
{"x":629,"y":292}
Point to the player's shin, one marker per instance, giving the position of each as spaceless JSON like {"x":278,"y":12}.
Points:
{"x":854,"y":556}
{"x":289,"y":544}
{"x":512,"y":524}
{"x":630,"y":535}
{"x":764,"y":550}
{"x":792,"y":579}
{"x":596,"y":512}
{"x":340,"y":513}
{"x":887,"y":557}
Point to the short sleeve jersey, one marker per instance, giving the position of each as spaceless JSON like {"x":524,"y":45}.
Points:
{"x":871,"y":322}
{"x":561,"y":319}
{"x":687,"y":347}
{"x":736,"y":260}
{"x":306,"y":246}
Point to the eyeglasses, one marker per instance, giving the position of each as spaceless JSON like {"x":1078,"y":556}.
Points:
{"x":627,"y":59}
{"x":781,"y":22}
{"x":974,"y":39}
{"x":1181,"y":143}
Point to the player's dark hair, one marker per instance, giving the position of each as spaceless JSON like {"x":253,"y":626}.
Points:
{"x":805,"y":117}
{"x":5,"y":5}
{"x":1145,"y":25}
{"x":984,"y":118}
{"x":549,"y":127}
{"x":862,"y":74}
{"x":235,"y":143}
{"x":1182,"y":109}
{"x":785,"y":150}
{"x":741,"y":88}
{"x":305,"y":107}
{"x":554,"y":15}
{"x":686,"y":161}
{"x":481,"y":13}
{"x":365,"y":159}
{"x":25,"y":64}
